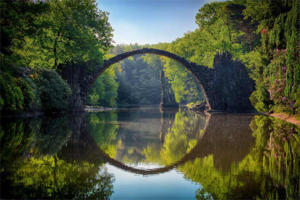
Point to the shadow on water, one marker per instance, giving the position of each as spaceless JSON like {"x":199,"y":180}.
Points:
{"x":230,"y":156}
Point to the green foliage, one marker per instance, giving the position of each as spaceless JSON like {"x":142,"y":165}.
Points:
{"x":279,"y":70}
{"x":20,"y":94}
{"x":273,"y":164}
{"x":31,"y":168}
{"x":276,"y":80}
{"x":104,"y":132}
{"x":93,"y":99}
{"x":47,"y":34}
{"x":139,"y":82}
{"x":10,"y":93}
{"x":104,"y":91}
{"x":18,"y":20}
{"x":35,"y":103}
{"x":185,"y":86}
{"x":297,"y":103}
{"x":14,"y":140}
{"x":27,"y":93}
{"x":260,"y":99}
{"x":51,"y":177}
{"x":180,"y":136}
{"x":71,"y":32}
{"x":1,"y":103}
{"x":54,"y":91}
{"x":52,"y":134}
{"x":221,"y":28}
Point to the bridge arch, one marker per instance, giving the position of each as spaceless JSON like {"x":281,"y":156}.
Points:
{"x":226,"y":87}
{"x":191,"y":67}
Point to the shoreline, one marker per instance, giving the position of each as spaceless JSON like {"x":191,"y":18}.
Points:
{"x":282,"y":116}
{"x":285,"y":117}
{"x":97,"y":109}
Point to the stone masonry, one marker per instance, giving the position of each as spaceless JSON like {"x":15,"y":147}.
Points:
{"x":227,"y":86}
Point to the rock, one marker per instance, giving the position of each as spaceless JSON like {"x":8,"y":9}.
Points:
{"x":201,"y":107}
{"x":167,"y":93}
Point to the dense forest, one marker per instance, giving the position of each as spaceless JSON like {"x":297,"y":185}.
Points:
{"x":38,"y":37}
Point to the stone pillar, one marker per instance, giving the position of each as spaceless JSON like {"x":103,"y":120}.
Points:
{"x":80,"y":78}
{"x":167,"y":93}
{"x":232,"y":86}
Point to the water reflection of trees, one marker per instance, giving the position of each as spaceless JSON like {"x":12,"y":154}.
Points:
{"x":14,"y":140}
{"x":179,"y":138}
{"x":178,"y":134}
{"x":51,"y":177}
{"x":33,"y":165}
{"x":36,"y":161}
{"x":270,"y":170}
{"x":103,"y":128}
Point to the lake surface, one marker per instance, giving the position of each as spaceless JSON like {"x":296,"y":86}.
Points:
{"x":145,"y":153}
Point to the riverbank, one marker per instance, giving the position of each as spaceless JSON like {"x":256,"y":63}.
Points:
{"x":286,"y":117}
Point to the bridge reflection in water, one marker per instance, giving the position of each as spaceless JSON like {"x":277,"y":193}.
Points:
{"x":228,"y":137}
{"x":226,"y":155}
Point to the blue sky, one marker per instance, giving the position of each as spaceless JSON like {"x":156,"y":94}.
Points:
{"x":151,"y":21}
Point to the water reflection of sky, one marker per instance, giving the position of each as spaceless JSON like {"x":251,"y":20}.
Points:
{"x":145,"y":166}
{"x":170,"y":185}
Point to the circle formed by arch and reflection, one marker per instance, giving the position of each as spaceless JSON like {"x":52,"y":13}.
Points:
{"x":189,"y":156}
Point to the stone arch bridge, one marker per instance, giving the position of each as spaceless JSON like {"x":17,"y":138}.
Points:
{"x":226,"y":86}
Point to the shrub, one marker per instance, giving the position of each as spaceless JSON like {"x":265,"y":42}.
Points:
{"x":35,"y":103}
{"x":93,"y":99}
{"x":260,"y":98}
{"x":27,"y":93}
{"x":296,"y":104}
{"x":54,"y":90}
{"x":1,"y":103}
{"x":279,"y":85}
{"x":11,"y":94}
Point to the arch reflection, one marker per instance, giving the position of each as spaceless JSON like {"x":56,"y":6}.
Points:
{"x":227,"y":137}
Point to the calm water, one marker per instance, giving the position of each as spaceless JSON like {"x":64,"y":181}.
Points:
{"x":149,"y":154}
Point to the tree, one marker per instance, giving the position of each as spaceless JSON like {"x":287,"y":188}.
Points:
{"x":69,"y":31}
